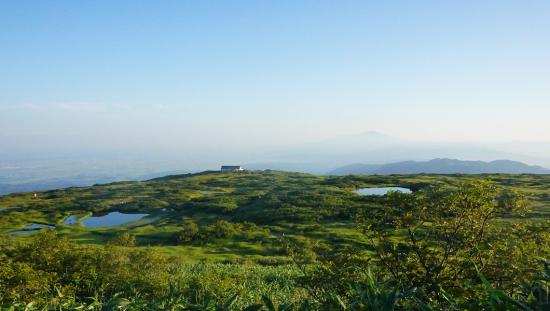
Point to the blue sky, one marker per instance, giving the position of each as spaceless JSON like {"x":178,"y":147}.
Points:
{"x":129,"y":75}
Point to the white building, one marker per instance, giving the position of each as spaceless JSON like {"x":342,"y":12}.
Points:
{"x":232,"y":168}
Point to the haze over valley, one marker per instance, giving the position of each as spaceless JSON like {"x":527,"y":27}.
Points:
{"x":336,"y":155}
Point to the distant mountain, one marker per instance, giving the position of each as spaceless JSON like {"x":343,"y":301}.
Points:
{"x":375,"y":147}
{"x":442,"y":166}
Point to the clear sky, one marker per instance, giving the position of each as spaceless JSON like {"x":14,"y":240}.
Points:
{"x":90,"y":75}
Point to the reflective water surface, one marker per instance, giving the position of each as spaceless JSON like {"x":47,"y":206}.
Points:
{"x":381,"y":190}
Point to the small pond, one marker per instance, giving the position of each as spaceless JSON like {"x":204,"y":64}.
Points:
{"x":32,"y":228}
{"x":381,"y":190}
{"x":110,"y":220}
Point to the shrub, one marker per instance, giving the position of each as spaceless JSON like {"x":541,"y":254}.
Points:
{"x":435,"y":239}
{"x":124,"y":239}
{"x":189,"y":232}
{"x":51,"y":265}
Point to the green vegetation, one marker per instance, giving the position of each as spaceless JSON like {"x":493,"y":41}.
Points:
{"x":283,"y":241}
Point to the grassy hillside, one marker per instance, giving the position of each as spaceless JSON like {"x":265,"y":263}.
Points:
{"x":280,"y":241}
{"x":237,"y":216}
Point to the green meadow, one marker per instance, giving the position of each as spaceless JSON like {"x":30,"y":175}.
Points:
{"x":286,"y":233}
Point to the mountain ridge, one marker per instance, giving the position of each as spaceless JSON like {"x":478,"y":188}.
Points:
{"x":441,"y":166}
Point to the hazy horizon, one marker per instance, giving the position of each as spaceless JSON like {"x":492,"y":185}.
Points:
{"x":191,"y":84}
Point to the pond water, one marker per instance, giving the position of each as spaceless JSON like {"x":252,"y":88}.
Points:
{"x":71,"y":220}
{"x":32,"y":228}
{"x":382,"y":190}
{"x":110,"y":220}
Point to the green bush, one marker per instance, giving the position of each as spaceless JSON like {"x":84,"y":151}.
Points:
{"x":50,"y":264}
{"x":124,"y":239}
{"x":189,"y":232}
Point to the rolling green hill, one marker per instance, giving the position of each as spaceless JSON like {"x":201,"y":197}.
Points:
{"x":251,"y":209}
{"x":269,"y":240}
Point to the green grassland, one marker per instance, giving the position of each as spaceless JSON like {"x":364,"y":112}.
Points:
{"x":265,"y":205}
{"x":269,"y":240}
